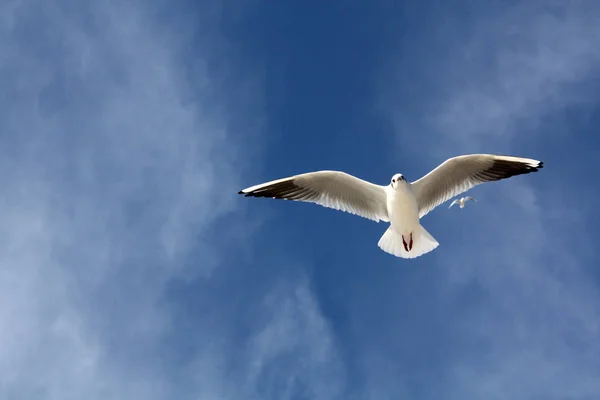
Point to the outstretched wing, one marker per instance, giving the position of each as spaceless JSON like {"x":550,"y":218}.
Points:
{"x":332,"y":189}
{"x":459,"y":174}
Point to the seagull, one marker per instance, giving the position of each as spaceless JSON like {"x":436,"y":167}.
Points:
{"x":401,"y":203}
{"x":462,"y":202}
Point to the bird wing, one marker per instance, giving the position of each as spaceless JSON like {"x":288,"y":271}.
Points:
{"x":453,"y":203}
{"x":332,"y":189}
{"x":459,"y":174}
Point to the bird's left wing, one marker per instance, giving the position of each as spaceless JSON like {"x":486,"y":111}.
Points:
{"x":332,"y":189}
{"x":459,"y":174}
{"x":453,"y":203}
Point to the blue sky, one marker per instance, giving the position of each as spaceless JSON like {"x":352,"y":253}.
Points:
{"x":131,"y":269}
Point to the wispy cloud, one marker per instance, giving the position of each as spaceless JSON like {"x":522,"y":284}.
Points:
{"x":104,"y":174}
{"x":285,"y":349}
{"x":294,"y":355}
{"x":529,"y":330}
{"x":118,"y":125}
{"x":516,"y":66}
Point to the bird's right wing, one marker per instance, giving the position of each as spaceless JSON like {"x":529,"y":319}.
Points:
{"x":453,"y":203}
{"x":459,"y":174}
{"x":332,"y":189}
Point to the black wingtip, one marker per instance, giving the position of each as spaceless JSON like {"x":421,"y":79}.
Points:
{"x":536,"y":168}
{"x":241,"y":192}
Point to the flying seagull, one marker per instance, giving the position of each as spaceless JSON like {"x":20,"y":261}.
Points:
{"x":401,"y":203}
{"x":462,"y":202}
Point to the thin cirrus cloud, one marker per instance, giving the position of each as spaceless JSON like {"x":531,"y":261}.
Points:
{"x":289,"y":353}
{"x":517,"y":66}
{"x":530,"y":330}
{"x":110,"y":150}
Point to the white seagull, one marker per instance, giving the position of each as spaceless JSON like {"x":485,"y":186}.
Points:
{"x":401,"y":203}
{"x":461,"y":202}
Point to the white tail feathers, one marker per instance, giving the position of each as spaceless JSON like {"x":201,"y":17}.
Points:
{"x":423,"y":242}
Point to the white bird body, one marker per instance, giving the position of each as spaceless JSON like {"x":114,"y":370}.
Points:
{"x":402,"y":208}
{"x":400,"y":203}
{"x":462,"y":201}
{"x":405,"y":237}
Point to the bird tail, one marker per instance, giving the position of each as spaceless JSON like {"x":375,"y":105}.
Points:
{"x":392,"y":242}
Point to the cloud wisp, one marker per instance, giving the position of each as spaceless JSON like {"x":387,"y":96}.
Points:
{"x":111,"y":152}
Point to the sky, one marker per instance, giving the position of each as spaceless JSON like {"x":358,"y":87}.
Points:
{"x":130,"y":268}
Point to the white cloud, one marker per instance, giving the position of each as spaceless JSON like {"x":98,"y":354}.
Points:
{"x":120,"y":141}
{"x":295,"y":351}
{"x":287,"y":350}
{"x":514,"y":68}
{"x":103,"y":174}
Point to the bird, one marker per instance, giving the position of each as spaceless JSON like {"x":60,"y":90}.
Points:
{"x":401,"y":203}
{"x":461,"y":202}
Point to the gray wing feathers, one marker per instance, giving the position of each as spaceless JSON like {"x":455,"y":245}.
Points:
{"x":459,"y":174}
{"x":331,"y":189}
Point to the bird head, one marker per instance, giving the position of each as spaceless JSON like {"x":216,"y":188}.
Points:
{"x":397,"y":180}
